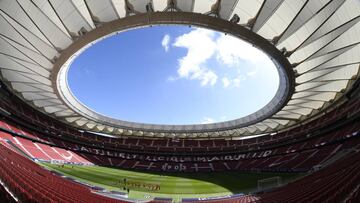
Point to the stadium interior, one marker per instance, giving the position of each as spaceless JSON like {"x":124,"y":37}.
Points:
{"x":302,"y":147}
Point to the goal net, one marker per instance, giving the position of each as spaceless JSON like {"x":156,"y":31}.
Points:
{"x":268,"y":183}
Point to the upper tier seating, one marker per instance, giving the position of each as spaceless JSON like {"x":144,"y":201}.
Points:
{"x":53,"y":128}
{"x":301,"y":156}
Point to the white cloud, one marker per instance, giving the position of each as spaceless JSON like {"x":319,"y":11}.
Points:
{"x":207,"y":120}
{"x":165,"y":42}
{"x":237,"y":82}
{"x":200,"y":47}
{"x":234,"y":82}
{"x":231,"y":51}
{"x":226,"y":82}
{"x":252,"y":73}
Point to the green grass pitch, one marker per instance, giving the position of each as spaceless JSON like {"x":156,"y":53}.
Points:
{"x":174,"y":185}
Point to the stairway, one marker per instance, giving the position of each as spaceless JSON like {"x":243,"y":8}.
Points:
{"x":17,"y":149}
{"x":334,"y":158}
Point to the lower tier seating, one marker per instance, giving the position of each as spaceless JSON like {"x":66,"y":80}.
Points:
{"x":43,"y":152}
{"x":232,"y":199}
{"x":31,"y":183}
{"x":339,"y":182}
{"x":331,"y":184}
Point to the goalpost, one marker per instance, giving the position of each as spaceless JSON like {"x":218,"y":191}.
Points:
{"x":57,"y":162}
{"x":268,"y":183}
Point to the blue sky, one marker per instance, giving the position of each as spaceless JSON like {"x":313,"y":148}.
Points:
{"x":173,"y":75}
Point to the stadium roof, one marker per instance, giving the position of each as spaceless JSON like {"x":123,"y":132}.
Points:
{"x":318,"y":42}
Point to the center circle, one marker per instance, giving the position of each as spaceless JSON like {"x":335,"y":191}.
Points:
{"x":173,"y":75}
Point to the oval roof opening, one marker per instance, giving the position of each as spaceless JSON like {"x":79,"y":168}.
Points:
{"x":173,"y":75}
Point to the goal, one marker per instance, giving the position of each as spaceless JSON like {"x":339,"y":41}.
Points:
{"x":268,"y":183}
